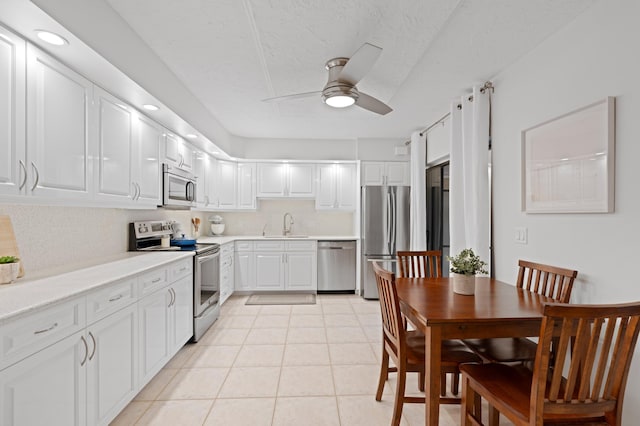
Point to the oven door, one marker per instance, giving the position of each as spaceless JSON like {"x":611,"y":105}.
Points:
{"x":206,"y":282}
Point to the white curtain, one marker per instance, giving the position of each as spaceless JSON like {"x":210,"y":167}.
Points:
{"x":469,"y":191}
{"x":417,"y":211}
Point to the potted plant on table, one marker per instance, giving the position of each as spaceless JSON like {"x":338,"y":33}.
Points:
{"x":464,"y":268}
{"x":9,"y":269}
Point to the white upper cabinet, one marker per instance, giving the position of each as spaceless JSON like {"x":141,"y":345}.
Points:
{"x":146,"y":166}
{"x":385,"y":173}
{"x":12,"y":113}
{"x":59,"y":109}
{"x":247,"y":186}
{"x":178,"y":152}
{"x":226,"y":186}
{"x":337,"y":187}
{"x":115,"y":148}
{"x":294,"y":180}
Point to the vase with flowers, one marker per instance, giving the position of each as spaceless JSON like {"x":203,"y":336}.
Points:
{"x":9,"y":269}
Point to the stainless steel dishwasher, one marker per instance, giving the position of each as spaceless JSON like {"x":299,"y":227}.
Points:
{"x":336,"y":266}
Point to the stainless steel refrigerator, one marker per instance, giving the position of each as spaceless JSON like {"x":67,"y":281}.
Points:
{"x":384,"y":230}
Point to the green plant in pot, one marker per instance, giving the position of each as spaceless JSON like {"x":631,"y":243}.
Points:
{"x":464,"y":267}
{"x":9,"y":269}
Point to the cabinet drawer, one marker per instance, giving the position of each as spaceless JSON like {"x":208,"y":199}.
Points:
{"x":244,"y":245}
{"x":226,"y":249}
{"x":308,"y":245}
{"x":269,"y":245}
{"x":152,"y":281}
{"x":104,"y":302}
{"x":180,"y":269}
{"x":26,"y":336}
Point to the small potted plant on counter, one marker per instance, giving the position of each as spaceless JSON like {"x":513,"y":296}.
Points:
{"x":464,"y":268}
{"x":9,"y":269}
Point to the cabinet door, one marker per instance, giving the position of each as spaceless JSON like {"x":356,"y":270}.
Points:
{"x":245,"y":273}
{"x":301,"y":271}
{"x":153,"y":315}
{"x":326,"y":193}
{"x":211,"y":184}
{"x":187,"y":155}
{"x":181,"y":313}
{"x":58,"y":111}
{"x":200,"y":168}
{"x":247,"y":186}
{"x":112,"y":365}
{"x":47,"y":388}
{"x":12,"y":113}
{"x":372,"y":173}
{"x":226,"y":187}
{"x":346,"y":186}
{"x":115,"y":141}
{"x":271,"y":180}
{"x":172,"y":146}
{"x":301,"y":180}
{"x":146,"y":161}
{"x":397,"y":173}
{"x":269,"y":270}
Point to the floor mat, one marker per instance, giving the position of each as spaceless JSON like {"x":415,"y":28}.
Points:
{"x":281,"y":299}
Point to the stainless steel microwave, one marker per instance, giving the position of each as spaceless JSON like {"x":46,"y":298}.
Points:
{"x":178,"y":188}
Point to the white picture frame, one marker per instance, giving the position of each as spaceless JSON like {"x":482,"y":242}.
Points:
{"x":568,"y":162}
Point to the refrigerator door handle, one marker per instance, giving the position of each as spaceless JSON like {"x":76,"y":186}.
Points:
{"x":388,"y":227}
{"x":394,"y":222}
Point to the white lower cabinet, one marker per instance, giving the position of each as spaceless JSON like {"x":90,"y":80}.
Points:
{"x":227,"y":271}
{"x":276,"y":265}
{"x":111,"y":365}
{"x":58,"y":369}
{"x":47,"y":388}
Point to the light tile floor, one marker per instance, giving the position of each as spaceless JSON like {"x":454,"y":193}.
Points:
{"x":299,"y":365}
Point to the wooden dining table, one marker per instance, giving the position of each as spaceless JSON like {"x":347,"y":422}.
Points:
{"x":497,"y":309}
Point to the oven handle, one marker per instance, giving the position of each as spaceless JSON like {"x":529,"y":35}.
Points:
{"x":202,"y":259}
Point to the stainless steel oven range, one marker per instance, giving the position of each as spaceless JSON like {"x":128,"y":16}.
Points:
{"x":147,"y":236}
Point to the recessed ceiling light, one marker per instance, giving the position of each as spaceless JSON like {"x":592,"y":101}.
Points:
{"x":51,"y":38}
{"x":150,"y":107}
{"x":190,"y":136}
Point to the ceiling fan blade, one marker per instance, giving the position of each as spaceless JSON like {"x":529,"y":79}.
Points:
{"x":360,"y":63}
{"x":372,"y":104}
{"x":294,"y":96}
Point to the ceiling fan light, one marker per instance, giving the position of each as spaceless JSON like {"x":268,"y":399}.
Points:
{"x":340,"y":101}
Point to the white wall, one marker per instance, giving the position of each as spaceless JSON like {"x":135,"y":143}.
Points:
{"x":299,"y":149}
{"x":438,"y":142}
{"x":371,"y":149}
{"x":593,"y":57}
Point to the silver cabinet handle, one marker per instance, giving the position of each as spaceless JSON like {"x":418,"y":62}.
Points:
{"x":139,"y":191}
{"x":93,"y":352}
{"x":181,"y":160}
{"x":134,"y":191}
{"x":118,"y":297}
{"x":54,"y":325}
{"x":86,"y":351}
{"x":35,"y":169}
{"x":174,"y":296}
{"x":157,"y":280}
{"x":24,"y":170}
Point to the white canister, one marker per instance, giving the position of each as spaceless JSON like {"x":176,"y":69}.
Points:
{"x":165,"y":241}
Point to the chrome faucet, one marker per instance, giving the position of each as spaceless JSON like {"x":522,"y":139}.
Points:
{"x":286,"y":228}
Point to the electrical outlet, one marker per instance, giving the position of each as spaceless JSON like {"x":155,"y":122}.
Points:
{"x":521,"y":236}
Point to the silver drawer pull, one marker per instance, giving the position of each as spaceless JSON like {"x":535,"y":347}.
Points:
{"x":55,"y":324}
{"x":118,"y":297}
{"x":156,"y":280}
{"x":184,"y":268}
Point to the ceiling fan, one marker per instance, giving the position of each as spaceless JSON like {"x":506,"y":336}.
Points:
{"x":344,"y":73}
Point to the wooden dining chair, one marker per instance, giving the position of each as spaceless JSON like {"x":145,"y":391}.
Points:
{"x":596,"y":366}
{"x":422,"y":264}
{"x":406,"y":348}
{"x":428,"y":264}
{"x":551,"y":281}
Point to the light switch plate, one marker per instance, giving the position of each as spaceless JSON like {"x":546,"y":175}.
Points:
{"x":521,"y":236}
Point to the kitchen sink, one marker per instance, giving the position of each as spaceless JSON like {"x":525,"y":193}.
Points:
{"x":288,"y":236}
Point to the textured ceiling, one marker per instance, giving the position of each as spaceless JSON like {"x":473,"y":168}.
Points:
{"x":231,"y":54}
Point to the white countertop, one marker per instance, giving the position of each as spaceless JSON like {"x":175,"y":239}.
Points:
{"x":223,"y":239}
{"x":31,"y":293}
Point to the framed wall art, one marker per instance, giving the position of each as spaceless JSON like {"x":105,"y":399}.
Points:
{"x":568,"y":162}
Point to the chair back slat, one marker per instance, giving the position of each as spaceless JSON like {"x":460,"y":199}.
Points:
{"x":547,"y":280}
{"x":390,"y":307}
{"x":419,"y":264}
{"x":594,"y":347}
